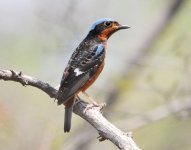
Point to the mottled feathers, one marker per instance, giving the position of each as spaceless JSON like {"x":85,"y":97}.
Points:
{"x":83,"y":64}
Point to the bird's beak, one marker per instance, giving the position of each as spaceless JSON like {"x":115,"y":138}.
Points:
{"x":122,"y":27}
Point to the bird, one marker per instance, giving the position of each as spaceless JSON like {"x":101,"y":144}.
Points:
{"x":85,"y":65}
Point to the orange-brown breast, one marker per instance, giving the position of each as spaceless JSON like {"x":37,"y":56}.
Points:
{"x":93,"y":78}
{"x":71,"y":101}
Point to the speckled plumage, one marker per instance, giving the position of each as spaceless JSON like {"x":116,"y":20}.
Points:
{"x":87,"y":61}
{"x":85,"y":65}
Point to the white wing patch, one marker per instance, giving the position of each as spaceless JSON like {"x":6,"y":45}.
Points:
{"x":78,"y":72}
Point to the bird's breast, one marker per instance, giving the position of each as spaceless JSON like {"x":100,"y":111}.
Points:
{"x":93,"y":78}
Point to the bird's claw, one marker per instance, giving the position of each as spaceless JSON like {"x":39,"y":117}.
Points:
{"x":90,"y":106}
{"x":102,"y":105}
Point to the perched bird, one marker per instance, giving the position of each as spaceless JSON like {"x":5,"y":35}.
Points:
{"x":85,"y":65}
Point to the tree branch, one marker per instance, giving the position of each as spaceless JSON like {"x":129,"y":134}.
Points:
{"x":105,"y":129}
{"x":10,"y":75}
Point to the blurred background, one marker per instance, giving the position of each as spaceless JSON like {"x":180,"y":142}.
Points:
{"x":146,"y":82}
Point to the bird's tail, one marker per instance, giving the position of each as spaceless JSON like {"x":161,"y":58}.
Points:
{"x":68,"y":114}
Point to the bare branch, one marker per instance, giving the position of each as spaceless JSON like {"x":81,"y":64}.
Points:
{"x":105,"y":129}
{"x":10,"y":75}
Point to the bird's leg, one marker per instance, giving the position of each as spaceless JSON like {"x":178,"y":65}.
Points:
{"x":77,"y":98}
{"x":91,"y":99}
{"x":94,"y":103}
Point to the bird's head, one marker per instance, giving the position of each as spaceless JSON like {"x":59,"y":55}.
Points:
{"x":104,"y":28}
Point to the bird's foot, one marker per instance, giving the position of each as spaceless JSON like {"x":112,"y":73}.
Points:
{"x":102,"y":105}
{"x":90,"y":106}
{"x":94,"y":104}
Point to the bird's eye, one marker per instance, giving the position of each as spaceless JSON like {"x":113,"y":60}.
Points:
{"x":107,"y":23}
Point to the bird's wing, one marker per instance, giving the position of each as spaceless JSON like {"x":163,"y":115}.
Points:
{"x":81,"y":68}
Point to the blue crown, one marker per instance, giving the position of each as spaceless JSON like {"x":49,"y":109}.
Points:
{"x":99,"y":22}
